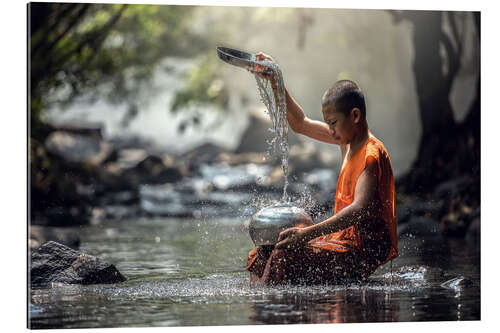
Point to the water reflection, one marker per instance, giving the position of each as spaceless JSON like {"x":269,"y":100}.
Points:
{"x":339,"y":307}
{"x":195,"y":276}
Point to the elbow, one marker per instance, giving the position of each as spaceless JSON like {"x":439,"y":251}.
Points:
{"x":297,"y":127}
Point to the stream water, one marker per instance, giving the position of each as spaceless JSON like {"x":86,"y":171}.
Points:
{"x":191,"y":272}
{"x":276,"y":109}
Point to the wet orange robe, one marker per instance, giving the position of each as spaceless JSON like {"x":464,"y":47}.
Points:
{"x":374,"y":152}
{"x":363,"y":248}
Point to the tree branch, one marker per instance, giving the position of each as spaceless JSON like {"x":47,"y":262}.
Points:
{"x":68,"y":8}
{"x":76,"y":18}
{"x":90,"y":36}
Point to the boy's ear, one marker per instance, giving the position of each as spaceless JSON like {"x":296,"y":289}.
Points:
{"x":356,"y":115}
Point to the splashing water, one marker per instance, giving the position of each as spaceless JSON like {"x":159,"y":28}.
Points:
{"x":276,"y":110}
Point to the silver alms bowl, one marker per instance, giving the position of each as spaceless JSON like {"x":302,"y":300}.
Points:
{"x":266,"y":225}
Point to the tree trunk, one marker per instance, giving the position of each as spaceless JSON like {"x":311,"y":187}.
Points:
{"x":445,"y":147}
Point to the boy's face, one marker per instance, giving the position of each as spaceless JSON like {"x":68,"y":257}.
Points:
{"x":341,"y":126}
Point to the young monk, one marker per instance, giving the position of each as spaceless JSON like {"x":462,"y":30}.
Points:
{"x":361,"y":235}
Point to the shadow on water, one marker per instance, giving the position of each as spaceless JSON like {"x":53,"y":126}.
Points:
{"x":191,"y":272}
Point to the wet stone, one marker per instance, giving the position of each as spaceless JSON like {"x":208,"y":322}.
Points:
{"x":55,"y":263}
{"x":457,"y":283}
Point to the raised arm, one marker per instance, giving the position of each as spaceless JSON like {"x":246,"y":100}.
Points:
{"x":301,"y":124}
{"x":296,"y":117}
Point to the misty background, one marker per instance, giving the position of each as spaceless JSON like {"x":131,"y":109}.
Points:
{"x":314,"y":48}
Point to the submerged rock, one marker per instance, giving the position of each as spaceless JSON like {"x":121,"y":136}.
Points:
{"x":57,"y":263}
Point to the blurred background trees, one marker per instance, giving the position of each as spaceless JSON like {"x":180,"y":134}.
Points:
{"x":416,"y":68}
{"x":78,"y":48}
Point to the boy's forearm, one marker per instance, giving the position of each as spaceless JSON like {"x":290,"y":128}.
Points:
{"x":347,"y":217}
{"x":294,"y":113}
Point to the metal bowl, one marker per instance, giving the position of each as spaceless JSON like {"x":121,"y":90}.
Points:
{"x":266,"y":225}
{"x":242,"y":59}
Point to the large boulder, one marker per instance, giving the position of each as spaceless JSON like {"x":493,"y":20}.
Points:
{"x":57,"y":263}
{"x":77,"y":148}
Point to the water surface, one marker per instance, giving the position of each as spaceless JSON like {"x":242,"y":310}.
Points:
{"x":191,"y":272}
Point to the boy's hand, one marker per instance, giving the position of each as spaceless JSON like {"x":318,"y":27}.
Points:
{"x":262,"y":71}
{"x":292,"y":238}
{"x":262,"y":56}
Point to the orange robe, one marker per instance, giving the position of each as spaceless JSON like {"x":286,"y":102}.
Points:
{"x":352,"y":252}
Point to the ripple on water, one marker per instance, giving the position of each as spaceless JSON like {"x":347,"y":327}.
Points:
{"x":215,"y":288}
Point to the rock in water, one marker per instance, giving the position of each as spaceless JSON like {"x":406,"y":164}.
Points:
{"x":457,"y":283}
{"x":54,"y":262}
{"x":78,"y":148}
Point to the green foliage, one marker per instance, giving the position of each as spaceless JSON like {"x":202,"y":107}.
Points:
{"x":76,"y":48}
{"x":203,"y":86}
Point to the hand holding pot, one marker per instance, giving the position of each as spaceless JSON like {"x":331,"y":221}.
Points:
{"x":292,"y":238}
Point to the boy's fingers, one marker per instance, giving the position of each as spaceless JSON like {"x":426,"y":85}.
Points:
{"x":283,"y":235}
{"x":262,"y":56}
{"x":281,"y":245}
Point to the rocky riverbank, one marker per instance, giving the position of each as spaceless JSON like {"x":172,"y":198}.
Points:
{"x":78,"y":177}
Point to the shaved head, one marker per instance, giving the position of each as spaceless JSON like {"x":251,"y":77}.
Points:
{"x":344,"y":96}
